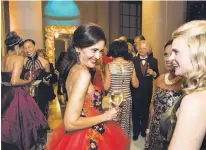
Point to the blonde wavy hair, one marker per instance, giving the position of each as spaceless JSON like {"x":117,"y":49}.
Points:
{"x":194,"y":33}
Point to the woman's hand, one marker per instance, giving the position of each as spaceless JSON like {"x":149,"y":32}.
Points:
{"x":111,"y":114}
{"x":147,"y":140}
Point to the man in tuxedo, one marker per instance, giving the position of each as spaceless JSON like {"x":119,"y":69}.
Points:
{"x":146,"y":68}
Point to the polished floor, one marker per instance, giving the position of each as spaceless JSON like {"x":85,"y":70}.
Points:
{"x":55,"y":118}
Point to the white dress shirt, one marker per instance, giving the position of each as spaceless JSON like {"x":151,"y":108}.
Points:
{"x":143,"y":61}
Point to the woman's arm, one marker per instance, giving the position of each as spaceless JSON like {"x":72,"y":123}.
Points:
{"x":47,"y":66}
{"x":190,"y":129}
{"x":151,"y":114}
{"x":18,"y":66}
{"x":150,"y":121}
{"x":72,"y":119}
{"x":135,"y":81}
{"x":156,"y":83}
{"x":107,"y":78}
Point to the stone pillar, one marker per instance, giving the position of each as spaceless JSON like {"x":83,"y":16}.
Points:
{"x":103,"y":17}
{"x":26,"y":20}
{"x":114,"y":22}
{"x":88,"y":11}
{"x":159,"y":20}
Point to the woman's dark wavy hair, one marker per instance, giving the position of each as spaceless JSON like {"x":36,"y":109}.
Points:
{"x":168,"y":43}
{"x":84,"y":36}
{"x":119,"y":49}
{"x":13,"y":39}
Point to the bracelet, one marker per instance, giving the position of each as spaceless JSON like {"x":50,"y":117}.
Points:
{"x":147,"y":131}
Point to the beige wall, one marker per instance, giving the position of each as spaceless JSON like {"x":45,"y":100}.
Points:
{"x":88,"y":11}
{"x":103,"y":17}
{"x":114,"y":23}
{"x":159,"y":19}
{"x":176,"y":15}
{"x":3,"y":49}
{"x":26,"y":20}
{"x":96,"y":12}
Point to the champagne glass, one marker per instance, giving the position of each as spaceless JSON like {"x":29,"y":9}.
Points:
{"x":117,"y":97}
{"x":147,"y":74}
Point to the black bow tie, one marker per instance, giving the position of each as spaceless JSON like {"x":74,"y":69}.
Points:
{"x":143,"y":59}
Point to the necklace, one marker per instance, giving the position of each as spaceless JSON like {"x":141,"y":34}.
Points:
{"x":170,"y":82}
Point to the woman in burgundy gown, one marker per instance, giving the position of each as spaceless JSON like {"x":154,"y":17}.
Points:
{"x":21,"y":118}
{"x":85,"y":127}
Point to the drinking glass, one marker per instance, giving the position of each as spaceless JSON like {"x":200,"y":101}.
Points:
{"x":117,"y":98}
{"x":147,"y":74}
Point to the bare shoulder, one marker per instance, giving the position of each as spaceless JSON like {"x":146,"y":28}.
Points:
{"x":195,"y":101}
{"x":17,"y":58}
{"x":25,"y":59}
{"x":45,"y":64}
{"x":43,"y":61}
{"x":3,"y":58}
{"x":159,"y":79}
{"x":82,"y":73}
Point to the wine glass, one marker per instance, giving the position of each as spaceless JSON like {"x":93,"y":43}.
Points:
{"x":117,"y":98}
{"x":147,"y":74}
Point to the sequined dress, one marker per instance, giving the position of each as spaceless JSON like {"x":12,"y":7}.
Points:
{"x":121,"y":75}
{"x":163,"y":100}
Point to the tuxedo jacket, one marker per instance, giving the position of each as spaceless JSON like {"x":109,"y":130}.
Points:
{"x":145,"y":82}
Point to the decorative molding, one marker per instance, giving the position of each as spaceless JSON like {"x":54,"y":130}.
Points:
{"x":49,"y":42}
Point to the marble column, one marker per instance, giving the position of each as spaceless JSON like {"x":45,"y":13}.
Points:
{"x":159,"y":20}
{"x":114,"y":22}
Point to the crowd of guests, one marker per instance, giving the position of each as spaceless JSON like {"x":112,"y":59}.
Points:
{"x":27,"y":79}
{"x":170,"y":117}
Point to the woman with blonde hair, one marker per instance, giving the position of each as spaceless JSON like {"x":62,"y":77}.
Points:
{"x":185,"y":124}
